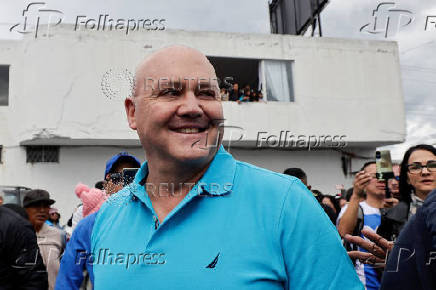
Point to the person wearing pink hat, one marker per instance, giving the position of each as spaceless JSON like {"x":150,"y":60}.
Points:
{"x":53,"y":218}
{"x":92,"y":198}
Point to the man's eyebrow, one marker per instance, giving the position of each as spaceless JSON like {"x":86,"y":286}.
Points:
{"x":207,"y":83}
{"x":165,"y":83}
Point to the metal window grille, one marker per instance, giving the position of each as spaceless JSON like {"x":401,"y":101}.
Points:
{"x":36,"y":154}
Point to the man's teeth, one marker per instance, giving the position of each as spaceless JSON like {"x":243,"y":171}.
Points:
{"x":188,"y":130}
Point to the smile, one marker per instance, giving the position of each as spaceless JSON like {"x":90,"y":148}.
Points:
{"x":190,"y":130}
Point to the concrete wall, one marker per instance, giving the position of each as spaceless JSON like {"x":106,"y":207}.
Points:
{"x":342,"y":87}
{"x":86,"y":164}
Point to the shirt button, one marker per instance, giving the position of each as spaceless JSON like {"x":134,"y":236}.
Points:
{"x":156,"y":222}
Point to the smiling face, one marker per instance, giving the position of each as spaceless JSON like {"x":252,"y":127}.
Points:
{"x":176,"y":109}
{"x":425,"y":181}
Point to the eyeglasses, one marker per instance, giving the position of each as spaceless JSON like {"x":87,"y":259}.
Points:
{"x":116,"y":178}
{"x":416,"y":167}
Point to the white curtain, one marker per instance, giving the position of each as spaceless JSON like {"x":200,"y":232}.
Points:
{"x":278,"y":78}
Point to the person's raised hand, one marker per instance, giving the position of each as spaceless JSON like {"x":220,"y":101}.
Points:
{"x":360,"y":182}
{"x":377,"y":247}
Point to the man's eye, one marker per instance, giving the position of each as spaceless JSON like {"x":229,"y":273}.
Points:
{"x":207,"y":94}
{"x":169,"y":92}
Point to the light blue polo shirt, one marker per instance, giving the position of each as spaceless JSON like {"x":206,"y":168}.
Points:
{"x":240,"y":227}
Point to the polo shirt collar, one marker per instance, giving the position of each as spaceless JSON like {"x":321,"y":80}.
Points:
{"x":217,"y":180}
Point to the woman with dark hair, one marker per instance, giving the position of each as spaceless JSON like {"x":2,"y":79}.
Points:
{"x":417,"y":175}
{"x":417,"y":180}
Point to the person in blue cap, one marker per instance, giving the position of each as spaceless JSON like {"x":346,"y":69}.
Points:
{"x":113,"y":174}
{"x":70,"y":275}
{"x":196,"y":218}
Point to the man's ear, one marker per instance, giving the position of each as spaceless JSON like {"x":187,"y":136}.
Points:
{"x":129,"y":105}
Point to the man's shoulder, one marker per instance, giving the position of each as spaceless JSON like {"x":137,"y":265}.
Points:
{"x":112,"y":207}
{"x":117,"y":201}
{"x":263,"y":175}
{"x":262,"y":184}
{"x":11,"y":220}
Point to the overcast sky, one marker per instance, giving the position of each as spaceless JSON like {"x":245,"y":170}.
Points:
{"x":344,"y":18}
{"x":341,"y":18}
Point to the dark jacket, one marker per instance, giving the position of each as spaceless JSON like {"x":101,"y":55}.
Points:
{"x":21,"y":265}
{"x":412,"y":263}
{"x":393,"y":221}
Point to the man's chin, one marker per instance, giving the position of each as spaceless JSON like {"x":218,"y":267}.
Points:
{"x":193,"y":153}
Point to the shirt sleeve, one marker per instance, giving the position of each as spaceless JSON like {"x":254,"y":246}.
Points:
{"x":77,"y":256}
{"x":313,"y":254}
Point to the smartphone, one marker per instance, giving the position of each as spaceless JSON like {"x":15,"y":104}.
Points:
{"x":129,"y":175}
{"x":384,"y":165}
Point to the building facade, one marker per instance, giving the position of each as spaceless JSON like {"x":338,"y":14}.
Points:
{"x":329,"y":103}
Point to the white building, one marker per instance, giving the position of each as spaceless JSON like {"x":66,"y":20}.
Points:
{"x":345,"y":88}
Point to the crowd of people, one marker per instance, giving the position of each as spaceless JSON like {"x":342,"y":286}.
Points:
{"x":255,"y":229}
{"x":366,"y":212}
{"x":246,"y":94}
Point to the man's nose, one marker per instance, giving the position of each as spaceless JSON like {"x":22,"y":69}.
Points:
{"x":190,"y":106}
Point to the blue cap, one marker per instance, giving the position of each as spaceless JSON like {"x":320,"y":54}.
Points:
{"x":124,"y":156}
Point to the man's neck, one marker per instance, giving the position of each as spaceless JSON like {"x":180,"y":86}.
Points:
{"x":374,"y":201}
{"x":172,"y":180}
{"x":167,"y":186}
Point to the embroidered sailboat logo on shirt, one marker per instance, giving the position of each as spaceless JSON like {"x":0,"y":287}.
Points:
{"x":214,"y":262}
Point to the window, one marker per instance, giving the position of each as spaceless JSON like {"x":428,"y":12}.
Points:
{"x":42,"y":154}
{"x":243,"y":71}
{"x":279,"y":80}
{"x":4,"y":85}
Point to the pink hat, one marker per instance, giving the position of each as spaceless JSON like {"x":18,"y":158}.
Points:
{"x":92,"y":199}
{"x":53,"y":210}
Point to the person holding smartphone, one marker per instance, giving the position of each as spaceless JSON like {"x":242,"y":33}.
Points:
{"x":363,"y":212}
{"x":411,"y":263}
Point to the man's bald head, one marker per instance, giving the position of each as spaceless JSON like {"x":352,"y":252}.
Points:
{"x":171,"y":59}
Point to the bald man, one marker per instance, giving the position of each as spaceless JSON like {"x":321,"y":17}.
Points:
{"x":194,"y":217}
